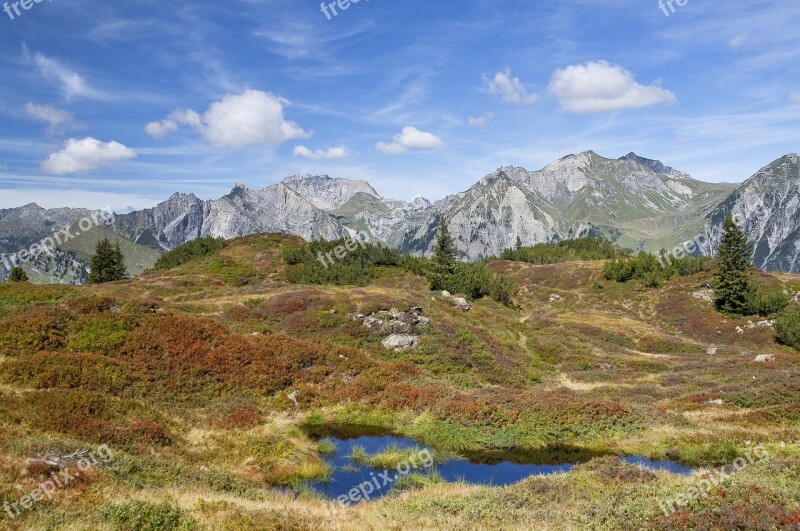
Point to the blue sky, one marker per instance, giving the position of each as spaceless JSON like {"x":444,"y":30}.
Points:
{"x":123,"y":103}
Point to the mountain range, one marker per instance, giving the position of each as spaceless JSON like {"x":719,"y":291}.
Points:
{"x":636,"y":202}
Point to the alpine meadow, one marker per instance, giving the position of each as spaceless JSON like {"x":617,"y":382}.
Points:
{"x":280,"y":265}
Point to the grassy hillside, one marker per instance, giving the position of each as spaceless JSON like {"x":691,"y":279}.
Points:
{"x":137,"y":257}
{"x":69,"y":263}
{"x":190,"y":376}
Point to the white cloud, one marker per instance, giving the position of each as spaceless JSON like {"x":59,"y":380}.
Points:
{"x":739,"y":40}
{"x":72,"y":84}
{"x":330,"y":153}
{"x":84,"y":155}
{"x":509,"y":89}
{"x":410,"y":138}
{"x":253,"y":117}
{"x":481,"y":120}
{"x":390,"y":148}
{"x":795,"y":97}
{"x":58,"y":120}
{"x":171,"y":123}
{"x":598,"y":86}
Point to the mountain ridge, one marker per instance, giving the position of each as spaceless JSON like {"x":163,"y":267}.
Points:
{"x":634,"y":201}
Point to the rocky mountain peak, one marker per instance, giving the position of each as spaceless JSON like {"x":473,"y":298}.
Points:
{"x":656,"y":166}
{"x":571,"y":163}
{"x":327,"y":193}
{"x":420,"y":202}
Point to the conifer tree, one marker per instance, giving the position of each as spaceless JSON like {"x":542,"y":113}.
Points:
{"x":733,"y":282}
{"x":108,"y":263}
{"x":518,"y":246}
{"x":17,"y":274}
{"x":444,"y":257}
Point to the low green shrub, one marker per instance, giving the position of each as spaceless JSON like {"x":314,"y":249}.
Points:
{"x":189,"y":251}
{"x":135,"y":515}
{"x":654,"y":271}
{"x":767,"y":301}
{"x":341,"y":262}
{"x":787,"y":328}
{"x":475,"y":281}
{"x":565,"y":251}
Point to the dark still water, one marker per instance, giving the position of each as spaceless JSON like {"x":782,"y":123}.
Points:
{"x":352,"y":475}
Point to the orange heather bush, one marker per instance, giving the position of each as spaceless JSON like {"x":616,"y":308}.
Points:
{"x":91,"y":416}
{"x":42,"y":329}
{"x":49,"y":370}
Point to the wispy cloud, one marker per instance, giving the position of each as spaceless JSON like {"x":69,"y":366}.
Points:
{"x":509,"y":88}
{"x":58,"y":120}
{"x":481,"y":120}
{"x":739,"y":40}
{"x":71,"y":83}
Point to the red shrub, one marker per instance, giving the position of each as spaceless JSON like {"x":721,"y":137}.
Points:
{"x":241,"y":420}
{"x":147,"y":431}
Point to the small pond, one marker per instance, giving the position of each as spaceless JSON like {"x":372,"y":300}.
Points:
{"x":348,"y":471}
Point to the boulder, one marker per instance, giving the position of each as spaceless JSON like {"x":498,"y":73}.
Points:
{"x":705,"y":295}
{"x":765,"y":358}
{"x":397,"y":342}
{"x":462,"y":304}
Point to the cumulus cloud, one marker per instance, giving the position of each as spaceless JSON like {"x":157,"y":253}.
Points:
{"x":72,"y":84}
{"x":85,"y":155}
{"x":481,"y":120}
{"x":57,"y":120}
{"x":238,"y":120}
{"x":598,"y":86}
{"x":171,"y":123}
{"x":330,"y":153}
{"x":509,"y":88}
{"x":410,"y":138}
{"x":795,"y":97}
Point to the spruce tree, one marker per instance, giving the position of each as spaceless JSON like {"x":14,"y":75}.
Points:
{"x":108,"y":263}
{"x":444,"y":257}
{"x":518,"y":246}
{"x":17,"y":274}
{"x":733,"y":281}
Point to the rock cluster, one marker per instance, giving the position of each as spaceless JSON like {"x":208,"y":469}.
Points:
{"x":403,"y":327}
{"x":705,"y":295}
{"x":398,"y":342}
{"x":394,"y":321}
{"x":459,"y":302}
